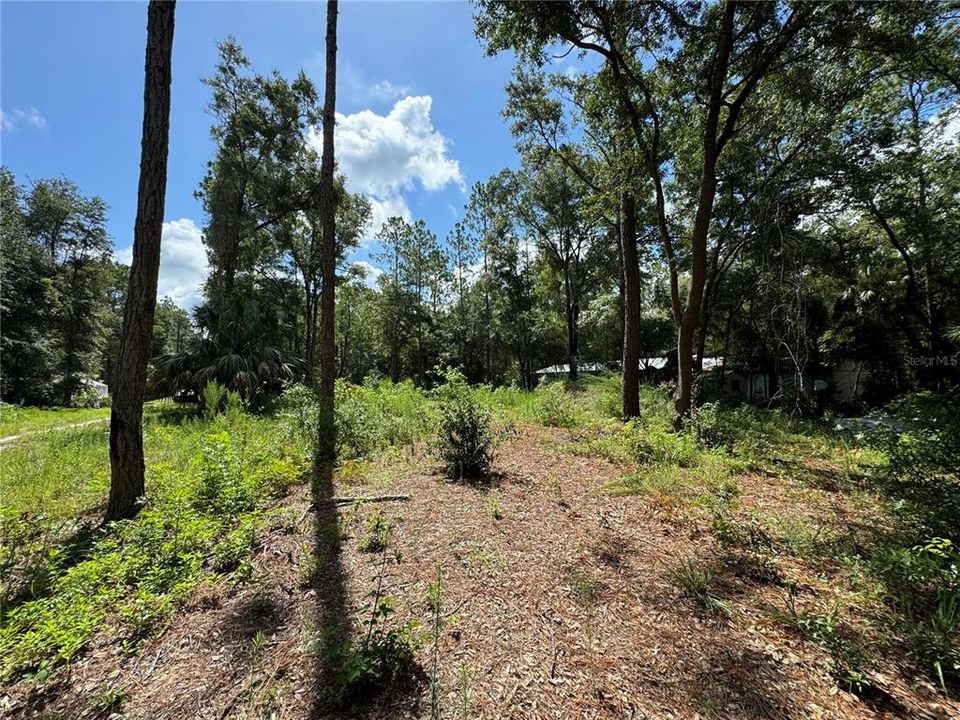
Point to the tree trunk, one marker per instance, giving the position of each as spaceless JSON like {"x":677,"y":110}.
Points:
{"x":126,"y":417}
{"x":701,"y":223}
{"x":573,"y":342}
{"x":631,"y":307}
{"x":309,"y":331}
{"x":328,"y":257}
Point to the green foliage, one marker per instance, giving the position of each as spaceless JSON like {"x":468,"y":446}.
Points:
{"x":923,"y":468}
{"x":655,"y":445}
{"x":848,"y":657}
{"x":465,"y":438}
{"x":60,"y":290}
{"x":556,"y":407}
{"x":376,"y":534}
{"x":232,"y":554}
{"x":435,"y":603}
{"x":206,"y":483}
{"x":697,"y":581}
{"x":924,"y":584}
{"x":110,"y":698}
{"x":223,"y":488}
{"x":713,"y":429}
{"x":374,"y":416}
{"x":214,"y":397}
{"x":584,"y":587}
{"x":382,"y":655}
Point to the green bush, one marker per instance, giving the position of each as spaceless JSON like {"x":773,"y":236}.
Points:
{"x":465,"y":439}
{"x":222,"y":488}
{"x":372,"y":663}
{"x":555,"y":406}
{"x":924,"y":585}
{"x":214,"y":397}
{"x":713,"y":429}
{"x":373,"y":416}
{"x":656,"y":445}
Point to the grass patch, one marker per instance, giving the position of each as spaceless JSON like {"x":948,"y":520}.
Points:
{"x":207,"y":483}
{"x":15,"y":419}
{"x":697,"y":582}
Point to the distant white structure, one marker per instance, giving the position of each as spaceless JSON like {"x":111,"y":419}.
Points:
{"x":565,"y":368}
{"x":648,"y":363}
{"x":98,"y":388}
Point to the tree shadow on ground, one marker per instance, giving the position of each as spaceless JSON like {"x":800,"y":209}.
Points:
{"x":333,"y":611}
{"x":400,"y":696}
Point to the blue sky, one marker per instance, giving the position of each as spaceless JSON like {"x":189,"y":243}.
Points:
{"x":420,"y":102}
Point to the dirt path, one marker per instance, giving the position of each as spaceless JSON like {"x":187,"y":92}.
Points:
{"x":14,"y":439}
{"x":558,"y":603}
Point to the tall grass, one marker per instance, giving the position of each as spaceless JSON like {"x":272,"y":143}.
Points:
{"x":207,"y":484}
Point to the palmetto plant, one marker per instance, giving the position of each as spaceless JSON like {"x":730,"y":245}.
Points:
{"x":236,"y":348}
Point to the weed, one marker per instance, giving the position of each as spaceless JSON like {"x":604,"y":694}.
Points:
{"x":555,"y":406}
{"x":110,"y":698}
{"x":659,"y":446}
{"x":584,"y":587}
{"x":377,"y":534}
{"x":232,"y":554}
{"x":697,"y":581}
{"x":494,"y":506}
{"x":847,"y":657}
{"x":435,"y":603}
{"x":381,"y":655}
{"x":464,"y":677}
{"x":258,"y":645}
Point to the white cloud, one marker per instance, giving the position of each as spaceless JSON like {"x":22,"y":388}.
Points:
{"x":370,"y":273}
{"x":384,"y":156}
{"x":382,"y":210}
{"x":183,"y":263}
{"x":19,"y":117}
{"x":354,"y":87}
{"x":387,"y":154}
{"x":386,"y":90}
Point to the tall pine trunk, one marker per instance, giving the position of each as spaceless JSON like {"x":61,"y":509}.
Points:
{"x":126,"y":417}
{"x":328,"y":252}
{"x":631,"y":307}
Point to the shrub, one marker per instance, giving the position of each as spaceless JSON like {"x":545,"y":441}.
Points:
{"x":555,"y":406}
{"x":232,"y":553}
{"x":373,"y":416}
{"x":375,"y":661}
{"x":924,"y":583}
{"x":465,"y":439}
{"x":711,"y":428}
{"x":218,"y":399}
{"x":222,"y":487}
{"x":651,"y":444}
{"x":214,"y":394}
{"x":356,"y":421}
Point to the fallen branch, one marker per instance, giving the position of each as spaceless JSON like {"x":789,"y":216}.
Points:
{"x":345,"y":499}
{"x":350,"y":499}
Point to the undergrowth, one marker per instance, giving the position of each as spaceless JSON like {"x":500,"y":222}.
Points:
{"x":207,"y":484}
